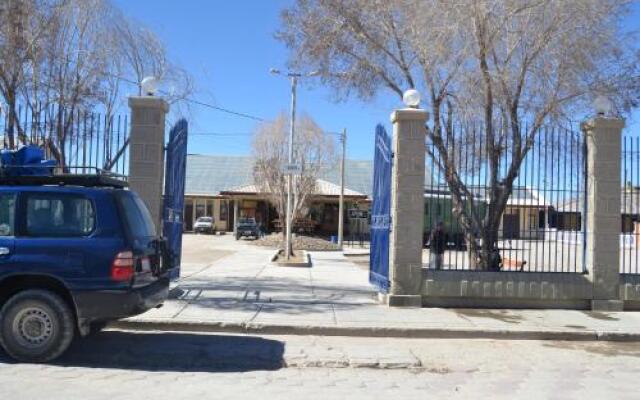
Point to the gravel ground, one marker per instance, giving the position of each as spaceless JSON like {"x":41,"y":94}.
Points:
{"x":300,"y":242}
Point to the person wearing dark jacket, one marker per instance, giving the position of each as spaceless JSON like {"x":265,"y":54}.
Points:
{"x":437,"y":245}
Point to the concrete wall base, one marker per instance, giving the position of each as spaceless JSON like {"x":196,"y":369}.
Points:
{"x":477,"y":302}
{"x":632,"y":305}
{"x":630,"y":287}
{"x":394,"y":300}
{"x":607,"y":305}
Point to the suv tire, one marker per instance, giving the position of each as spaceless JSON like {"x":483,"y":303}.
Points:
{"x":36,"y":326}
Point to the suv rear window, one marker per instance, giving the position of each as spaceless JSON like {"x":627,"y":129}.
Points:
{"x":59,"y":215}
{"x":7,"y":214}
{"x":137,"y":215}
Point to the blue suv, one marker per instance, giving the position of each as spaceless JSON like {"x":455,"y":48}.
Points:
{"x":75,"y":253}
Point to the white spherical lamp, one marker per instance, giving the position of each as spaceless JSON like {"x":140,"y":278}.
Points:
{"x":411,"y":98}
{"x":602,"y":105}
{"x":149,"y":85}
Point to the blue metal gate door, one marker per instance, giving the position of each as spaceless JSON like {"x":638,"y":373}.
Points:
{"x":381,"y":211}
{"x":174,"y":194}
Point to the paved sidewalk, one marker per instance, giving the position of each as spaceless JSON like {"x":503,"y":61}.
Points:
{"x":241,"y":292}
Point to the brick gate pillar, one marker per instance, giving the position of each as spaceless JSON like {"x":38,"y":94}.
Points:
{"x":407,"y":208}
{"x":604,"y":138}
{"x":146,"y":152}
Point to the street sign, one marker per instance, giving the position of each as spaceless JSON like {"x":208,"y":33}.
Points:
{"x":292,"y":169}
{"x":355,"y":213}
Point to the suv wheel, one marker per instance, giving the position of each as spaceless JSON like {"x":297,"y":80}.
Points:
{"x":36,"y":326}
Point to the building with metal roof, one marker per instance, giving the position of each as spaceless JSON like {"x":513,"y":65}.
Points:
{"x":208,"y":175}
{"x":223,"y":187}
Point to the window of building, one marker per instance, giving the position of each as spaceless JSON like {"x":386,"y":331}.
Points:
{"x":200,"y":208}
{"x":224,"y":210}
{"x":59,"y":215}
{"x":533,"y":219}
{"x":209,"y":208}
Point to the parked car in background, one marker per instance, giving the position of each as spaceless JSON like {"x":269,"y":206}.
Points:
{"x":247,"y":227}
{"x":75,"y":254}
{"x":205,"y":225}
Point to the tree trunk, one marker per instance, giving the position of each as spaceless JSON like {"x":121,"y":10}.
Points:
{"x":11,"y":123}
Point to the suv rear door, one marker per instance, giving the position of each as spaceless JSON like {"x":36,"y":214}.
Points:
{"x":142,"y":238}
{"x":7,"y":230}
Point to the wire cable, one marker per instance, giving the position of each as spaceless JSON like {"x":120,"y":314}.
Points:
{"x":195,"y":101}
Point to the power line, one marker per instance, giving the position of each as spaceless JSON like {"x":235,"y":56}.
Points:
{"x":195,"y":101}
{"x":220,"y":134}
{"x":221,"y":109}
{"x":248,"y":133}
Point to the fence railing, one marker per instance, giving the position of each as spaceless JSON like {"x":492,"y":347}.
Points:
{"x":541,"y":226}
{"x":630,"y":206}
{"x":77,"y":140}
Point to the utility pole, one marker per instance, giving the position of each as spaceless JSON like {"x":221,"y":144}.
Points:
{"x":288,"y":244}
{"x":294,"y":83}
{"x":343,"y":139}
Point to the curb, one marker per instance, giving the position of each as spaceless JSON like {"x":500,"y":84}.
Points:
{"x":372,"y":331}
{"x":304,"y":264}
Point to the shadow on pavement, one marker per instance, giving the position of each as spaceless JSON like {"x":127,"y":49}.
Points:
{"x":172,"y":351}
{"x":287,"y":295}
{"x":499,"y":315}
{"x":609,"y":349}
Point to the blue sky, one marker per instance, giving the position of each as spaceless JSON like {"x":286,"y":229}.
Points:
{"x":228,"y":47}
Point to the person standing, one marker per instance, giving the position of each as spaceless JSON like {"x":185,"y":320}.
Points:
{"x":437,"y":245}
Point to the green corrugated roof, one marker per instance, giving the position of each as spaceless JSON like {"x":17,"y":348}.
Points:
{"x":210,"y":174}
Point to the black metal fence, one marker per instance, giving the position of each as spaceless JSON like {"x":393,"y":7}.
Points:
{"x":540,"y":226}
{"x":77,"y":140}
{"x":630,"y":206}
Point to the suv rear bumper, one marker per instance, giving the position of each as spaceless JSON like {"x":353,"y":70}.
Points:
{"x":107,"y":305}
{"x":248,"y":233}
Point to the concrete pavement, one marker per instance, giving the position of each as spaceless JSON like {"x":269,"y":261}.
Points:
{"x":241,"y":292}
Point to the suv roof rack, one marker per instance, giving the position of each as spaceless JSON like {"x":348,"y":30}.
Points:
{"x":99,"y":178}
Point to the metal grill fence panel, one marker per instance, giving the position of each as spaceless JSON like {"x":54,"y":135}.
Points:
{"x":79,"y":141}
{"x":542,"y":228}
{"x":630,"y":206}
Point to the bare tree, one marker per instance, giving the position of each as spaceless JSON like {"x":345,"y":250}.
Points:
{"x":144,"y":54}
{"x":313,"y":150}
{"x":63,"y":58}
{"x":24,"y":26}
{"x":510,"y":65}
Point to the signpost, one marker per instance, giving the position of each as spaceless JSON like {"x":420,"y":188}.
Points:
{"x":292,"y":169}
{"x":355,"y":213}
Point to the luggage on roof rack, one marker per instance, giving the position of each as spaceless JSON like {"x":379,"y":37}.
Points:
{"x":26,"y":166}
{"x":27,"y":160}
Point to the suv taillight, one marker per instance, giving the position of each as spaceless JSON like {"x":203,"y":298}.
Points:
{"x":123,"y":267}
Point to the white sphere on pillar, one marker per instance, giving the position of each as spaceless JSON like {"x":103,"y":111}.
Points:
{"x":149,"y":86}
{"x":411,"y":98}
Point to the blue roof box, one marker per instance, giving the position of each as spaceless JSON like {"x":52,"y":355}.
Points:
{"x":26,"y":161}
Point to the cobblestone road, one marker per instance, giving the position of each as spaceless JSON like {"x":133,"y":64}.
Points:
{"x":127,"y":365}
